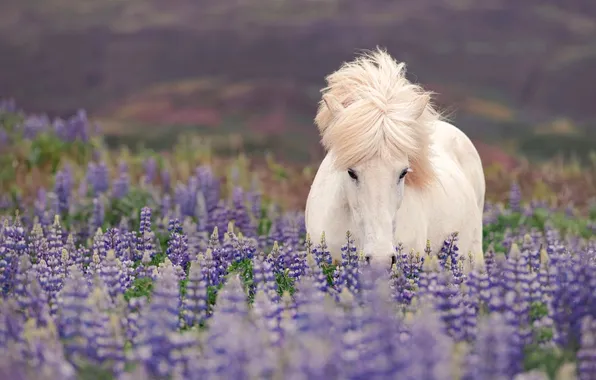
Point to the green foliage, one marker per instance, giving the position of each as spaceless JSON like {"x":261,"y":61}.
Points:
{"x":129,"y":206}
{"x":328,"y":270}
{"x":285,"y":283}
{"x":45,"y":152}
{"x":547,"y":359}
{"x":546,"y":146}
{"x":495,"y":232}
{"x":141,"y":287}
{"x":46,"y":149}
{"x":264,"y":226}
{"x":244,"y":269}
{"x":212,"y":294}
{"x":592,"y":212}
{"x":538,"y":310}
{"x":94,"y":372}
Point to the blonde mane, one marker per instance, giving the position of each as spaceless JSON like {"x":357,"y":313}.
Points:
{"x":369,"y":109}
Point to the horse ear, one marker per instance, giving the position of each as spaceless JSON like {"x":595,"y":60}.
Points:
{"x":419,"y":105}
{"x":332,"y":103}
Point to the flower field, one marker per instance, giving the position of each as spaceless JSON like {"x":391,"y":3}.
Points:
{"x":116,"y":265}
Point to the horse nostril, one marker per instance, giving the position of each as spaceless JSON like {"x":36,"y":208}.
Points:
{"x":367,"y":257}
{"x":393,"y":260}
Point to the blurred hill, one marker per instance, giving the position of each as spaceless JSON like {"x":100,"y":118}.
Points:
{"x":252,"y":69}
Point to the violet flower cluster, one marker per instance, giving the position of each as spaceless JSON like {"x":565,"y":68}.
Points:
{"x":199,"y":285}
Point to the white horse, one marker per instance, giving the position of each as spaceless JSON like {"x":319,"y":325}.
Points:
{"x":394,"y":171}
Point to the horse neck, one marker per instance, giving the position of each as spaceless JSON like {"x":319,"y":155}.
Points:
{"x":332,"y":187}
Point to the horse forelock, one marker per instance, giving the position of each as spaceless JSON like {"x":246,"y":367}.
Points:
{"x":379,"y":113}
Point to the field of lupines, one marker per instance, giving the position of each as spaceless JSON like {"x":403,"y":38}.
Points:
{"x":116,"y":266}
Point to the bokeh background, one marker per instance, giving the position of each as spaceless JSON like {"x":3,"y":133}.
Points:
{"x":517,"y":76}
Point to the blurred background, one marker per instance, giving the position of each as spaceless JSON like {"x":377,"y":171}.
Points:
{"x":186,"y":82}
{"x":516,"y":76}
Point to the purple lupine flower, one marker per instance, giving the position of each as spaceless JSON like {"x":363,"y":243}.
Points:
{"x":346,"y":274}
{"x":110,"y":344}
{"x":232,"y":343}
{"x":531,"y":252}
{"x":76,"y":127}
{"x":97,"y":217}
{"x":428,"y":280}
{"x":45,"y":354}
{"x":470,"y":310}
{"x":312,"y":269}
{"x":34,"y":125}
{"x":449,"y":257}
{"x":182,"y":199}
{"x":210,"y":187}
{"x":427,"y":352}
{"x":547,"y":276}
{"x":376,"y":324}
{"x":231,"y":340}
{"x":111,"y":273}
{"x":63,"y":189}
{"x":55,"y":274}
{"x":264,"y":277}
{"x":72,"y":301}
{"x":403,"y":288}
{"x":275,"y":231}
{"x":121,"y":185}
{"x":94,"y":321}
{"x":586,"y":355}
{"x":150,"y":166}
{"x":321,"y":252}
{"x":310,"y":313}
{"x":489,"y":259}
{"x":143,"y":239}
{"x":12,"y":247}
{"x":290,"y":230}
{"x":105,"y":340}
{"x":410,"y":263}
{"x":449,"y":304}
{"x":99,"y":244}
{"x":55,"y":238}
{"x":30,"y":295}
{"x":208,"y":268}
{"x":276,"y":258}
{"x":254,"y":197}
{"x":219,"y":218}
{"x":219,"y":264}
{"x":177,"y":249}
{"x":98,"y":177}
{"x":516,"y":286}
{"x":8,"y":105}
{"x":231,"y":299}
{"x":135,"y":307}
{"x":297,"y":264}
{"x":21,"y":281}
{"x":195,"y":302}
{"x":493,"y":355}
{"x":39,"y":206}
{"x":239,"y":212}
{"x":266,"y":314}
{"x":515,"y":197}
{"x":166,"y":180}
{"x":159,"y":323}
{"x":227,"y":251}
{"x":11,"y":324}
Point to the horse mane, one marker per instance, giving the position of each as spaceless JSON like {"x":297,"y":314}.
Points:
{"x":370,"y":109}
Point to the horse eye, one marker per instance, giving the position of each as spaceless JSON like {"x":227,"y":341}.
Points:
{"x":352,"y":174}
{"x":403,"y":174}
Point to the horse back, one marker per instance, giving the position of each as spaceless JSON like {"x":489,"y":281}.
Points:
{"x":451,"y":141}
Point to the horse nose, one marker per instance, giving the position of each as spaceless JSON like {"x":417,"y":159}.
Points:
{"x":367,"y":257}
